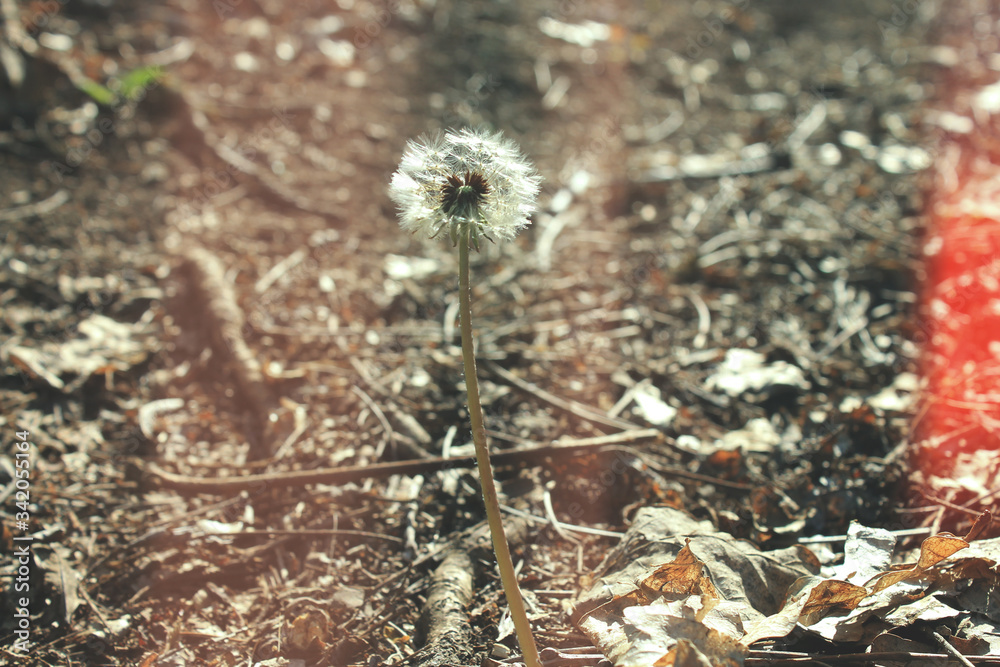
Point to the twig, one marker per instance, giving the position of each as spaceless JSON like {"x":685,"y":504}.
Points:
{"x":704,"y":319}
{"x":278,"y":270}
{"x":226,"y":324}
{"x":301,"y":424}
{"x":783,"y":658}
{"x":949,"y":649}
{"x":827,"y":539}
{"x":983,"y":497}
{"x":448,"y":634}
{"x":474,"y":540}
{"x":621,"y":438}
{"x":82,"y":592}
{"x":695,"y":477}
{"x":949,"y":505}
{"x":578,"y":409}
{"x":306,"y":532}
{"x":586,"y":530}
{"x":373,"y":406}
{"x":346,"y":474}
{"x":550,"y":513}
{"x":812,"y":122}
{"x":841,"y":338}
{"x":148,"y":411}
{"x":752,"y":159}
{"x":38,"y":209}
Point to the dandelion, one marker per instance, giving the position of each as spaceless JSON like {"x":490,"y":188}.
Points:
{"x":472,"y":178}
{"x":475,"y":183}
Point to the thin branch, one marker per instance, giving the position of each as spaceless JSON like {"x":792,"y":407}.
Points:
{"x":343,"y":475}
{"x":37,"y":209}
{"x":578,"y":409}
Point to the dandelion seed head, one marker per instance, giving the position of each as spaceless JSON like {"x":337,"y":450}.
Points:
{"x":471,"y":177}
{"x":464,"y":196}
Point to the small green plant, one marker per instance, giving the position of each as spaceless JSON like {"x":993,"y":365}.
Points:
{"x":135,"y":82}
{"x":474,"y":184}
{"x":131,"y":86}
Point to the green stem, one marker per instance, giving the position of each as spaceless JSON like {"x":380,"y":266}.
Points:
{"x":522,"y":626}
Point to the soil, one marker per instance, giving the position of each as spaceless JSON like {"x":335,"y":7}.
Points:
{"x":204,"y":277}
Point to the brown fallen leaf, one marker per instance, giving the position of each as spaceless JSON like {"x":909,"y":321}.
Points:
{"x":680,"y":578}
{"x":830,"y":597}
{"x":308,"y":631}
{"x":709,"y":649}
{"x":781,"y":623}
{"x":982,"y":522}
{"x":676,"y":592}
{"x":933,"y":550}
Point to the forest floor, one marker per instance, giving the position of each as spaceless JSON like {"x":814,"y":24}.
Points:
{"x":202,"y":278}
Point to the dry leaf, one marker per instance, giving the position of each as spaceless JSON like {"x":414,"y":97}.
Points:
{"x":831,"y":597}
{"x":308,"y":631}
{"x":712,"y":588}
{"x":933,"y":550}
{"x":683,"y":577}
{"x":982,"y":522}
{"x":780,"y":624}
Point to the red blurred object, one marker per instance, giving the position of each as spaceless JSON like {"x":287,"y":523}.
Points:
{"x":960,"y":303}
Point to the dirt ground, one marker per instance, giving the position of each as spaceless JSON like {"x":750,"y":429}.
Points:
{"x":203,"y":278}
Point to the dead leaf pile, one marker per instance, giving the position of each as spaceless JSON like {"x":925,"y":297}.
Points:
{"x":674,"y":592}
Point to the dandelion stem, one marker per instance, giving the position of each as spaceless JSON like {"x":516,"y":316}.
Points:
{"x":522,"y":626}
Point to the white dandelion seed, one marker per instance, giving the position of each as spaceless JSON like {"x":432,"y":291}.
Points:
{"x":465,"y":177}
